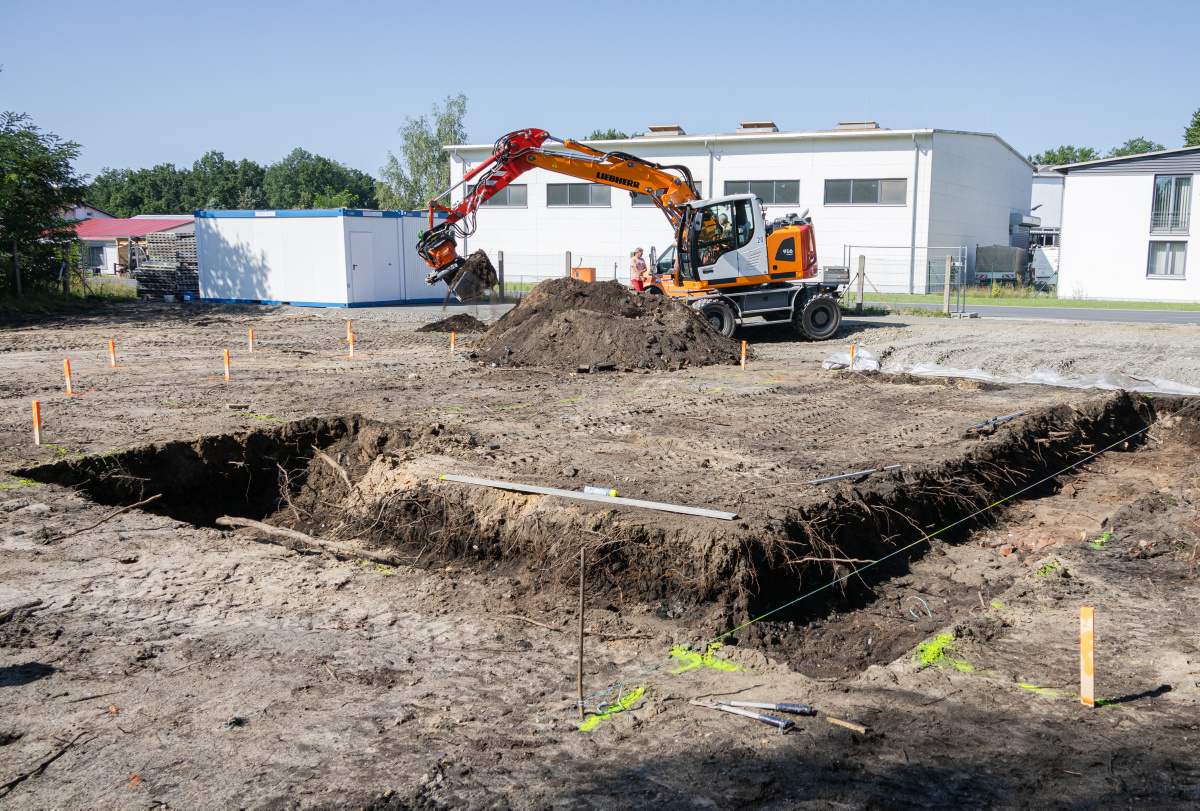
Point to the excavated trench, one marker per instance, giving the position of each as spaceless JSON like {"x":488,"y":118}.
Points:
{"x":376,"y":485}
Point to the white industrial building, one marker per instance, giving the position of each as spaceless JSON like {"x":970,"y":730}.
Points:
{"x":1126,"y":227}
{"x":863,"y":186}
{"x":312,"y":257}
{"x":1046,"y":200}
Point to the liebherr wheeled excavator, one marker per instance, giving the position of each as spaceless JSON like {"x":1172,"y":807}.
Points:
{"x":729,"y":263}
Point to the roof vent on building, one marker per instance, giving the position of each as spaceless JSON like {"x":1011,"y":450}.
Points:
{"x":757,"y":126}
{"x":669,"y":129}
{"x":857,"y":125}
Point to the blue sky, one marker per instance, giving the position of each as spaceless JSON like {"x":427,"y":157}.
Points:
{"x":256,"y":79}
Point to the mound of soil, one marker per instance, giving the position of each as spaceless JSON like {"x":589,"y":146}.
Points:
{"x":462,"y":322}
{"x":570,"y":324}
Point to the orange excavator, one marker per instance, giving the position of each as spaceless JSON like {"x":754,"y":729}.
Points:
{"x":727,"y":261}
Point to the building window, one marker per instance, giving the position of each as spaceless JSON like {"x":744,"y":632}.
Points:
{"x":95,"y":256}
{"x":640,"y":199}
{"x":514,"y":195}
{"x":866,"y":192}
{"x":578,"y":194}
{"x":771,"y":192}
{"x":1167,"y":259}
{"x":1172,"y":196}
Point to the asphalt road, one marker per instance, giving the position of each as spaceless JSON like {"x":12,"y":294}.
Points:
{"x":1088,"y":314}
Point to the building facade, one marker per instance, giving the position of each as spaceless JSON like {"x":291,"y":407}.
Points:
{"x":1126,"y":227}
{"x":861,"y":184}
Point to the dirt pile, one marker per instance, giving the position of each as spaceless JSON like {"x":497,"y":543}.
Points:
{"x":569,"y":324}
{"x":462,"y":322}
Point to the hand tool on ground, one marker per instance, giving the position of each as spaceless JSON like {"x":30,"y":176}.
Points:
{"x":794,"y":709}
{"x":782,"y":724}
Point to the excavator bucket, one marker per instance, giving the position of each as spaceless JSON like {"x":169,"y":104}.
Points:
{"x":476,"y":276}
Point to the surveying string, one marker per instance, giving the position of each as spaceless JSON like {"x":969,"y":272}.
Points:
{"x":930,"y":536}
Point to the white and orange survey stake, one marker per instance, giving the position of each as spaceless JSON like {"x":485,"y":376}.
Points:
{"x":852,"y":357}
{"x":37,"y":423}
{"x":452,"y":336}
{"x":743,"y":356}
{"x":112,"y":355}
{"x":67,"y":374}
{"x":350,"y":338}
{"x":349,"y":332}
{"x":1087,"y":656}
{"x":252,"y":342}
{"x":226,"y":364}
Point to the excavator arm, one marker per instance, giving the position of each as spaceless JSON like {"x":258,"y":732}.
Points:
{"x":669,"y":187}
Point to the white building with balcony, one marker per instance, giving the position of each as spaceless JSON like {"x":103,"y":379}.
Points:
{"x":862,"y":184}
{"x":1126,"y":227}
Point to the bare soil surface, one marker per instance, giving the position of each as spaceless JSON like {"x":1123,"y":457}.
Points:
{"x":174,"y":663}
{"x":569,"y":324}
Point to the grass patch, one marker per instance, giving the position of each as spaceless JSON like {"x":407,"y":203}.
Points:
{"x":1101,"y":541}
{"x":18,"y":483}
{"x":998,"y":605}
{"x":690,"y":659}
{"x":933,"y":653}
{"x":621,"y":706}
{"x":259,"y":417}
{"x":927,"y":312}
{"x":1047,"y":569}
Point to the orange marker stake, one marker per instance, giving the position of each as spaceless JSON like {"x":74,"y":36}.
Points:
{"x":452,"y":343}
{"x":252,"y":342}
{"x":852,"y":357}
{"x":67,"y":374}
{"x":349,"y":333}
{"x":112,"y":355}
{"x":37,"y":423}
{"x":226,"y":364}
{"x":1087,"y":656}
{"x":350,"y":337}
{"x":743,"y":356}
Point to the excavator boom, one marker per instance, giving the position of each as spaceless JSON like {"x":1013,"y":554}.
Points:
{"x":670,"y":187}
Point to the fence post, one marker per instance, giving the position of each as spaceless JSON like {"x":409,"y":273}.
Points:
{"x":568,"y":273}
{"x":862,"y":277}
{"x":500,"y":272}
{"x":946,"y":285}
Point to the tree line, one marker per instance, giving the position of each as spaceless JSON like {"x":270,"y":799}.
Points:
{"x":300,"y":180}
{"x":1134,"y":146}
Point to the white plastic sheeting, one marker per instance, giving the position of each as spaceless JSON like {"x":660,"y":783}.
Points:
{"x":864,"y":361}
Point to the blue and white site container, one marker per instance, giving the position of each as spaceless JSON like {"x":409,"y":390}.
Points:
{"x":340,"y":257}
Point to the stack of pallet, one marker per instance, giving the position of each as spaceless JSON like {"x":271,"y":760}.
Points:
{"x":170,"y":269}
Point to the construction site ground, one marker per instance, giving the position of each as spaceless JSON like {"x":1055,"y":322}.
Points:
{"x":174,"y":663}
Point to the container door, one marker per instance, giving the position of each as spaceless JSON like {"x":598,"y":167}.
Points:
{"x":362,"y":267}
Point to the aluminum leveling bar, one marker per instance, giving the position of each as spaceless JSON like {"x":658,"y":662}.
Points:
{"x":625,"y":502}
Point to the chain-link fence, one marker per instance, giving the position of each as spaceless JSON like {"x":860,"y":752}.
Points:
{"x":903,"y":276}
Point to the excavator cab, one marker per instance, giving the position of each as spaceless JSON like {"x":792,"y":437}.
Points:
{"x":722,"y":241}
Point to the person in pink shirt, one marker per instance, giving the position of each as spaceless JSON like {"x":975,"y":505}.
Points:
{"x":637,"y":271}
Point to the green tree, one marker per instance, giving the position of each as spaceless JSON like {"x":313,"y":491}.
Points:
{"x":423,"y":170}
{"x":37,"y":184}
{"x":331,"y":199}
{"x":161,"y":189}
{"x":1191,"y":134}
{"x":217,"y":182}
{"x":606,"y":135}
{"x":251,"y":198}
{"x":1064,"y":154}
{"x":297,"y":180}
{"x":1134,"y":146}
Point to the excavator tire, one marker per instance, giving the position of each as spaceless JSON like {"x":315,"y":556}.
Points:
{"x":818,"y":318}
{"x":720,"y":315}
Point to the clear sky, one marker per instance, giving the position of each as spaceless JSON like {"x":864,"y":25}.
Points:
{"x":140,"y":83}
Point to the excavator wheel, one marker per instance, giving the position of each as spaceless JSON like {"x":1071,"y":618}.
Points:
{"x":720,"y":315}
{"x":818,"y":318}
